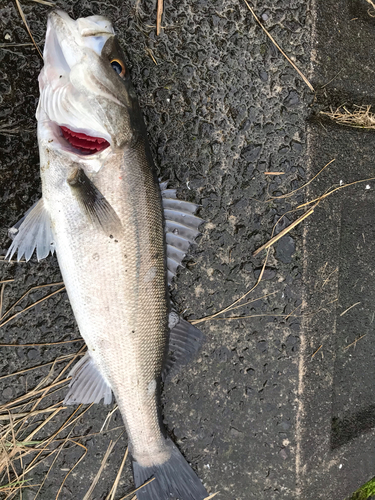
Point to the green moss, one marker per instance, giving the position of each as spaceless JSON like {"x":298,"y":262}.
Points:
{"x":365,"y":491}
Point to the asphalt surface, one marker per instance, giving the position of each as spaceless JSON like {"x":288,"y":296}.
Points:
{"x":222,"y":107}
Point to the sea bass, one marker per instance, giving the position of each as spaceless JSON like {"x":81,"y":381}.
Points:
{"x":119,"y":237}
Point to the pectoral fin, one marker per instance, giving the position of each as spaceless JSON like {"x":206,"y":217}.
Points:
{"x":32,"y":232}
{"x":93,"y":203}
{"x":87,"y":384}
{"x":185,"y":340}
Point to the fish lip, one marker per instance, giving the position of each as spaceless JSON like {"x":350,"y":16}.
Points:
{"x":59,"y":26}
{"x":69,"y":33}
{"x":61,"y":22}
{"x":53,"y":53}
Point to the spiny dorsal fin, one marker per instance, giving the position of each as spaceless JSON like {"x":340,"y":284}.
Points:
{"x":181,"y":227}
{"x":32,"y":232}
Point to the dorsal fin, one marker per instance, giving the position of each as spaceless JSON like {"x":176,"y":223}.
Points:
{"x":181,"y":227}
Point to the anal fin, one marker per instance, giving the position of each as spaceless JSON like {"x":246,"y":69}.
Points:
{"x":87,"y":384}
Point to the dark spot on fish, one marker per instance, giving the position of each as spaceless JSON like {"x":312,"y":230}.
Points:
{"x":111,"y":236}
{"x":60,"y":76}
{"x":125,"y":256}
{"x":133,"y":331}
{"x":116,"y":241}
{"x":156,"y":256}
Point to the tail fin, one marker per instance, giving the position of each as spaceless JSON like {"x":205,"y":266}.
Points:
{"x":174,"y":480}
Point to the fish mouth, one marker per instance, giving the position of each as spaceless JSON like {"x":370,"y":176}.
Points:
{"x":85,"y":144}
{"x":67,"y":118}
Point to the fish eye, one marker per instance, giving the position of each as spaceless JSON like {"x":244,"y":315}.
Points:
{"x":119,"y":67}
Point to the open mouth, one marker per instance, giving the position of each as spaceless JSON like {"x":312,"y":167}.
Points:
{"x":86,"y":144}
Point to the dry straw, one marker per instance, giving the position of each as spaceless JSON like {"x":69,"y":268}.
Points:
{"x":360,"y":117}
{"x":27,"y":26}
{"x":370,"y":12}
{"x":159,"y":13}
{"x":279,"y":48}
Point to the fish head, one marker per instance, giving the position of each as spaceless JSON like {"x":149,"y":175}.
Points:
{"x":87,"y":106}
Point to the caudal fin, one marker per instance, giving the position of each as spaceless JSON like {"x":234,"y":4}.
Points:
{"x":174,"y":480}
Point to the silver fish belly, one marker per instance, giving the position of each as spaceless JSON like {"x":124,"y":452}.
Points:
{"x":118,"y":237}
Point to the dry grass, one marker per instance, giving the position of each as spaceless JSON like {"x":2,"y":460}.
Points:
{"x":282,"y":233}
{"x":236,"y":303}
{"x":267,"y":246}
{"x":21,"y":422}
{"x":112,"y":493}
{"x":24,"y":420}
{"x":279,"y":48}
{"x":360,"y":117}
{"x":99,"y":473}
{"x":27,"y":26}
{"x":315,"y":202}
{"x":45,"y":2}
{"x":4,"y":321}
{"x":159,"y":13}
{"x":316,"y":352}
{"x":22,"y":450}
{"x":371,"y":11}
{"x":355,"y":342}
{"x":349,"y":308}
{"x":292,"y":193}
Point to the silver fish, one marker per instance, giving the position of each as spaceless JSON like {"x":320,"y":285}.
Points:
{"x":119,"y":238}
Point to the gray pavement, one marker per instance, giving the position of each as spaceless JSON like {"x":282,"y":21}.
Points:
{"x":255,"y":413}
{"x":336,"y":414}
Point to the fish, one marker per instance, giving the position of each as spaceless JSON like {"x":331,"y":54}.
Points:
{"x":119,"y":234}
